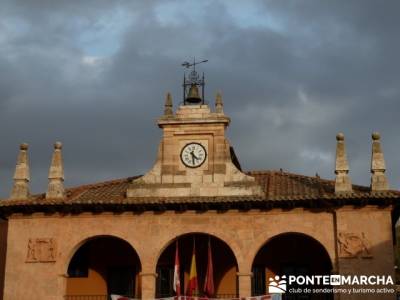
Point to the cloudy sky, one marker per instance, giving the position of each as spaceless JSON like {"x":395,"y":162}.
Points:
{"x":93,"y":74}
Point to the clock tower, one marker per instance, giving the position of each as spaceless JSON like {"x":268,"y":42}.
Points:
{"x":194,"y":156}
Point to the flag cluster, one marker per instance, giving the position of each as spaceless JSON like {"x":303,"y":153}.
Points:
{"x":193,"y":288}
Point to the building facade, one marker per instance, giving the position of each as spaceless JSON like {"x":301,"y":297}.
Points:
{"x":120,"y":236}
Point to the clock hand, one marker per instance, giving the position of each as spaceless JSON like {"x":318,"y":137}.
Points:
{"x":193,"y":156}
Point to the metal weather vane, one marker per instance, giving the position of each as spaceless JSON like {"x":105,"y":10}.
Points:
{"x":188,"y":65}
{"x":193,"y":78}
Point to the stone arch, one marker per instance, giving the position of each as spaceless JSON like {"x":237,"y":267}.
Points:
{"x":289,"y":253}
{"x":173,"y":239}
{"x":103,"y":265}
{"x":76,"y":245}
{"x":168,"y":240}
{"x":265,"y":242}
{"x":225,"y":260}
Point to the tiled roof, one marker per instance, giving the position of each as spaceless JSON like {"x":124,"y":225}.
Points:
{"x":279,"y":187}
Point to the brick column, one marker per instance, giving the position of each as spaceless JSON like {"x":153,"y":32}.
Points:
{"x":148,"y":281}
{"x":244,"y":284}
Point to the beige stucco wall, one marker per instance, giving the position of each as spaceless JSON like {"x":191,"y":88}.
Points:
{"x":150,"y":233}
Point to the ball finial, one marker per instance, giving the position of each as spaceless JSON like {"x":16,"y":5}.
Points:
{"x":57,"y":145}
{"x":376,"y":136}
{"x":340,"y":136}
{"x":23,"y":146}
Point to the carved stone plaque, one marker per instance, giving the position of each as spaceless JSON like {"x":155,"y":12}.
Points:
{"x":353,"y":245}
{"x":41,"y":250}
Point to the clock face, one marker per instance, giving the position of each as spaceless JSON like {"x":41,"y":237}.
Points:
{"x":193,"y":155}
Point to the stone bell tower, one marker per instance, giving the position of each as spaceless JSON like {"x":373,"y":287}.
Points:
{"x":194,"y":156}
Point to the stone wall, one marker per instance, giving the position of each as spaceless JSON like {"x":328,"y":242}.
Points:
{"x":216,"y":176}
{"x":150,"y":233}
{"x":3,"y":248}
{"x":370,"y":247}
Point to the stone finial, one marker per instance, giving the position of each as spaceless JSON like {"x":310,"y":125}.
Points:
{"x":56,"y":174}
{"x":20,"y":188}
{"x":379,"y":181}
{"x":168,"y":105}
{"x":342,"y":180}
{"x":219,"y":105}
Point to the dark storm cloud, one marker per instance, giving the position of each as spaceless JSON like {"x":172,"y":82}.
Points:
{"x":292,"y":75}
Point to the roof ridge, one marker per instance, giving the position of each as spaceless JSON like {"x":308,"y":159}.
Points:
{"x":86,"y":187}
{"x":281,"y":172}
{"x":103,"y":183}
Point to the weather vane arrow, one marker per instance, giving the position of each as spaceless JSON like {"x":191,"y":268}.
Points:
{"x":188,"y":64}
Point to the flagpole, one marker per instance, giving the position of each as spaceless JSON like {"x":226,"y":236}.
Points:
{"x":209,"y":278}
{"x":177,"y":273}
{"x":192,"y":288}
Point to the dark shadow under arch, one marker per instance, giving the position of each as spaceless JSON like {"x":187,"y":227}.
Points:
{"x":290,"y":254}
{"x":103,"y":265}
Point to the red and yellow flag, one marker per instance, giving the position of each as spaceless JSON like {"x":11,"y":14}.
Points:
{"x":192,"y":289}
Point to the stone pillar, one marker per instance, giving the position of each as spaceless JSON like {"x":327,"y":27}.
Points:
{"x":55,"y":188}
{"x":379,"y":181}
{"x":20,"y":188}
{"x":342,"y":180}
{"x":148,"y":281}
{"x":244,"y":280}
{"x":219,"y":104}
{"x":168,"y":105}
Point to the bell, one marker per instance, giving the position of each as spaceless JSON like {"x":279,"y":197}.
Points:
{"x":193,"y":96}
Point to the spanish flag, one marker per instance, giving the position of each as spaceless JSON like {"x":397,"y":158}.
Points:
{"x":192,"y":289}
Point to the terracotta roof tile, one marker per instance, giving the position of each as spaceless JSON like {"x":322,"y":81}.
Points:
{"x":278,"y":186}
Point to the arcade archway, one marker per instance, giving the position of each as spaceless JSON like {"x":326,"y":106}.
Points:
{"x":224,"y":266}
{"x":101,"y":267}
{"x":290,"y":254}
